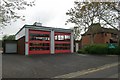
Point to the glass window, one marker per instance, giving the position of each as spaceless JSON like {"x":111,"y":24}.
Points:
{"x":42,"y":37}
{"x":67,"y":37}
{"x":56,"y":37}
{"x":62,"y":37}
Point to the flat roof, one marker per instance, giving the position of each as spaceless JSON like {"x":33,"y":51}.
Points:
{"x":44,"y":27}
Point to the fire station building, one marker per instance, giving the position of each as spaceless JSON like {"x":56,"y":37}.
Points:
{"x":38,"y":39}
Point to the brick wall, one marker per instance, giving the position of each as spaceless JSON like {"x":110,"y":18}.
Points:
{"x":98,"y":38}
{"x":21,"y":45}
{"x":107,"y":38}
{"x":85,"y":40}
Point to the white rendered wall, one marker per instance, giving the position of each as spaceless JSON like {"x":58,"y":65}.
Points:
{"x":26,"y":41}
{"x":20,"y":34}
{"x":52,"y":45}
{"x":72,"y":42}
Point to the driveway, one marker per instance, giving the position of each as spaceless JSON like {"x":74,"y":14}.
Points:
{"x":46,"y":66}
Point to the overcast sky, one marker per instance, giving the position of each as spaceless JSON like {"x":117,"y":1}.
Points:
{"x":50,"y":13}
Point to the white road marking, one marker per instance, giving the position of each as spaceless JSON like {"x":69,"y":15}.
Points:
{"x":82,"y":54}
{"x":83,"y":72}
{"x":111,"y":55}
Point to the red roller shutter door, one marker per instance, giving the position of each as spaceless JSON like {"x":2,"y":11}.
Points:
{"x":62,"y":42}
{"x":39,"y":42}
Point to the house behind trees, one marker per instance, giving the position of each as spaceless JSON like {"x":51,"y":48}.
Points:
{"x":99,"y":35}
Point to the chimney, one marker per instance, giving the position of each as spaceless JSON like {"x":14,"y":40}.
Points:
{"x":37,"y":24}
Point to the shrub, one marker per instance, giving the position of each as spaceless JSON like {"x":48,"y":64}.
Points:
{"x":81,"y":51}
{"x":99,"y":49}
{"x":114,"y":51}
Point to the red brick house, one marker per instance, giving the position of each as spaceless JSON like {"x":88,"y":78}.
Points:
{"x":99,"y":35}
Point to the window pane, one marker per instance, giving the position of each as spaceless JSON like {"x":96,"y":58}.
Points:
{"x":41,"y":37}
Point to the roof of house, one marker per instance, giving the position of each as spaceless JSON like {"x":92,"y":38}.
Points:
{"x":96,"y":28}
{"x":45,"y":28}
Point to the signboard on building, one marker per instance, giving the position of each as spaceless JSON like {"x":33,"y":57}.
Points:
{"x":111,"y":45}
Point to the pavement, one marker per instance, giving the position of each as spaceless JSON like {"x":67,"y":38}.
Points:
{"x":51,"y":66}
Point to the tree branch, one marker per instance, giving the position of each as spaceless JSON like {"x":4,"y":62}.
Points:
{"x":108,"y":22}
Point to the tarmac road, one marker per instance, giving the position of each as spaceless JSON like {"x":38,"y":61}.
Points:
{"x":105,"y":71}
{"x":49,"y":66}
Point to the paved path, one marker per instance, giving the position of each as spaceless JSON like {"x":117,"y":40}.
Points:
{"x":46,"y":66}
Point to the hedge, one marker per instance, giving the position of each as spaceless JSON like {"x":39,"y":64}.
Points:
{"x":99,"y":49}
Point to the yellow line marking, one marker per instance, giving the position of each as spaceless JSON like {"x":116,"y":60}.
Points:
{"x":84,"y":72}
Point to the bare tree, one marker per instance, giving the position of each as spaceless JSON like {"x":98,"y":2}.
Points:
{"x":86,"y":14}
{"x":9,"y":8}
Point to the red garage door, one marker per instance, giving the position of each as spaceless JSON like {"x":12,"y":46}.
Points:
{"x":62,"y":42}
{"x":39,"y":42}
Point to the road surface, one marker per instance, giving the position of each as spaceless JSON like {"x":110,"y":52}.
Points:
{"x":105,"y":71}
{"x":50,"y":66}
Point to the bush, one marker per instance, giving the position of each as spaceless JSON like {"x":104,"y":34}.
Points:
{"x":81,"y":51}
{"x":99,"y":49}
{"x":114,"y":51}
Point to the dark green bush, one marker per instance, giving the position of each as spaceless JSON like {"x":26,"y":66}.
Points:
{"x":81,"y":51}
{"x":99,"y":49}
{"x":114,"y":50}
